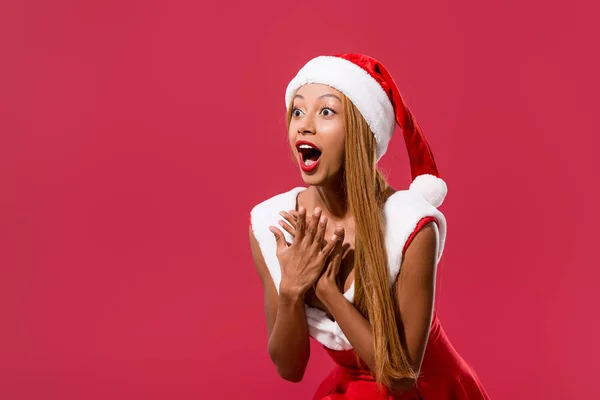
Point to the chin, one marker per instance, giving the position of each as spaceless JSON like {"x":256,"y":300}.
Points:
{"x":311,"y":180}
{"x":318,"y":179}
{"x":319,"y":175}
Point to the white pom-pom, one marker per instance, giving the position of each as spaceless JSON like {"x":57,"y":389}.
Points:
{"x":432,"y":188}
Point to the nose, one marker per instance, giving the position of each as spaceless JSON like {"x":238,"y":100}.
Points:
{"x":307,"y":125}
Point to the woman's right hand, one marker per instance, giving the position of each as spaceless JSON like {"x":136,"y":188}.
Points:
{"x":303,"y":260}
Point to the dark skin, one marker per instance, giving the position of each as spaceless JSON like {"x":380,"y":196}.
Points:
{"x":321,"y":256}
{"x":345,"y":276}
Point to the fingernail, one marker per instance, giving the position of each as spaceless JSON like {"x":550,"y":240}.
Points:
{"x":323,"y":219}
{"x":317,"y":211}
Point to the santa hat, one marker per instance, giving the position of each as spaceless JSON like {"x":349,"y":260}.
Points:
{"x":370,"y":87}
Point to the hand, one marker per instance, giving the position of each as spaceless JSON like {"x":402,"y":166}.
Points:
{"x":328,"y":280}
{"x":327,"y":283}
{"x":292,"y":217}
{"x":303,"y":260}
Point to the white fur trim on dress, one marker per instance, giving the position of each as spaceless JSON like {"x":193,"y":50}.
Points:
{"x":361,"y":88}
{"x":432,"y":188}
{"x":402,"y":211}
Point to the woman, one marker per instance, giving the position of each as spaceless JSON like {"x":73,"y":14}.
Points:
{"x":352,"y":262}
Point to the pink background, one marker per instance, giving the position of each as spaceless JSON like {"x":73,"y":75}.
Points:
{"x":136,"y":136}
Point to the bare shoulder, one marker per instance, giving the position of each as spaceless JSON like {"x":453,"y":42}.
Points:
{"x":426,"y":237}
{"x":420,"y":256}
{"x":425,"y":240}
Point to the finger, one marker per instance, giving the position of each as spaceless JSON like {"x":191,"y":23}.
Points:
{"x":322,"y":226}
{"x":287,"y":227}
{"x":300,"y":224}
{"x":289,"y":218}
{"x":334,"y":266}
{"x":338,"y":237}
{"x":294,"y":213}
{"x":311,"y":227}
{"x":279,"y":239}
{"x":328,"y":248}
{"x":340,"y":233}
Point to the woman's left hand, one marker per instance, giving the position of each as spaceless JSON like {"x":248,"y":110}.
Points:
{"x":327,"y":282}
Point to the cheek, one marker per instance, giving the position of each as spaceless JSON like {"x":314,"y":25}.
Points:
{"x":335,"y":143}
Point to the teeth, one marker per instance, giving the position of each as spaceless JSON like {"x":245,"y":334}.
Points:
{"x":305,"y":146}
{"x":308,"y":162}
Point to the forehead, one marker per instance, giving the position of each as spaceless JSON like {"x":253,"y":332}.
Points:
{"x":314,"y":90}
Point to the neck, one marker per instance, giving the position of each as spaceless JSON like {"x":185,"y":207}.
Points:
{"x":331,"y":198}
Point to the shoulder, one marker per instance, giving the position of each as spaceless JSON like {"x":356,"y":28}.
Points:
{"x":407,"y":201}
{"x":410,"y":218}
{"x":266,"y":213}
{"x":410,"y":210}
{"x":424,"y":238}
{"x":262,"y":241}
{"x":278,"y":200}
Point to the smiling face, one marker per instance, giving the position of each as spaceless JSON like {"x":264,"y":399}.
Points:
{"x":317,"y":133}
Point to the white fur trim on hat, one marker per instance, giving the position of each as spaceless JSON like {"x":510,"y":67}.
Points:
{"x":432,"y":188}
{"x":355,"y":83}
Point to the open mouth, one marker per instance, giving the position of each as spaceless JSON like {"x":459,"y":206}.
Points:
{"x":309,"y":154}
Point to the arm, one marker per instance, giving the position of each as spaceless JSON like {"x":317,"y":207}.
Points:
{"x":414,"y":297}
{"x":289,"y":346}
{"x":301,"y":263}
{"x":415,"y":294}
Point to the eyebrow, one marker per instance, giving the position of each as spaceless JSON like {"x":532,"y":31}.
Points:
{"x":321,"y":96}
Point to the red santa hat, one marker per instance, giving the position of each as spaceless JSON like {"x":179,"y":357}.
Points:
{"x":368,"y":84}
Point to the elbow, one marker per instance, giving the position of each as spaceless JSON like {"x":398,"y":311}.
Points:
{"x":286,"y":368}
{"x":291,"y":372}
{"x":290,"y":375}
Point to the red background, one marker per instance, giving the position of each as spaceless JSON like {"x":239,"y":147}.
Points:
{"x":136,"y":136}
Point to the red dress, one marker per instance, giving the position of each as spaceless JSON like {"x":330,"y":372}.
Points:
{"x":444,"y":374}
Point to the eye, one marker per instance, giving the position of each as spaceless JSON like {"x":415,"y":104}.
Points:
{"x":327,"y":112}
{"x":296,"y":112}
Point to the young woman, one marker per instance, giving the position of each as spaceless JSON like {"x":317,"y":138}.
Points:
{"x":348,"y":260}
